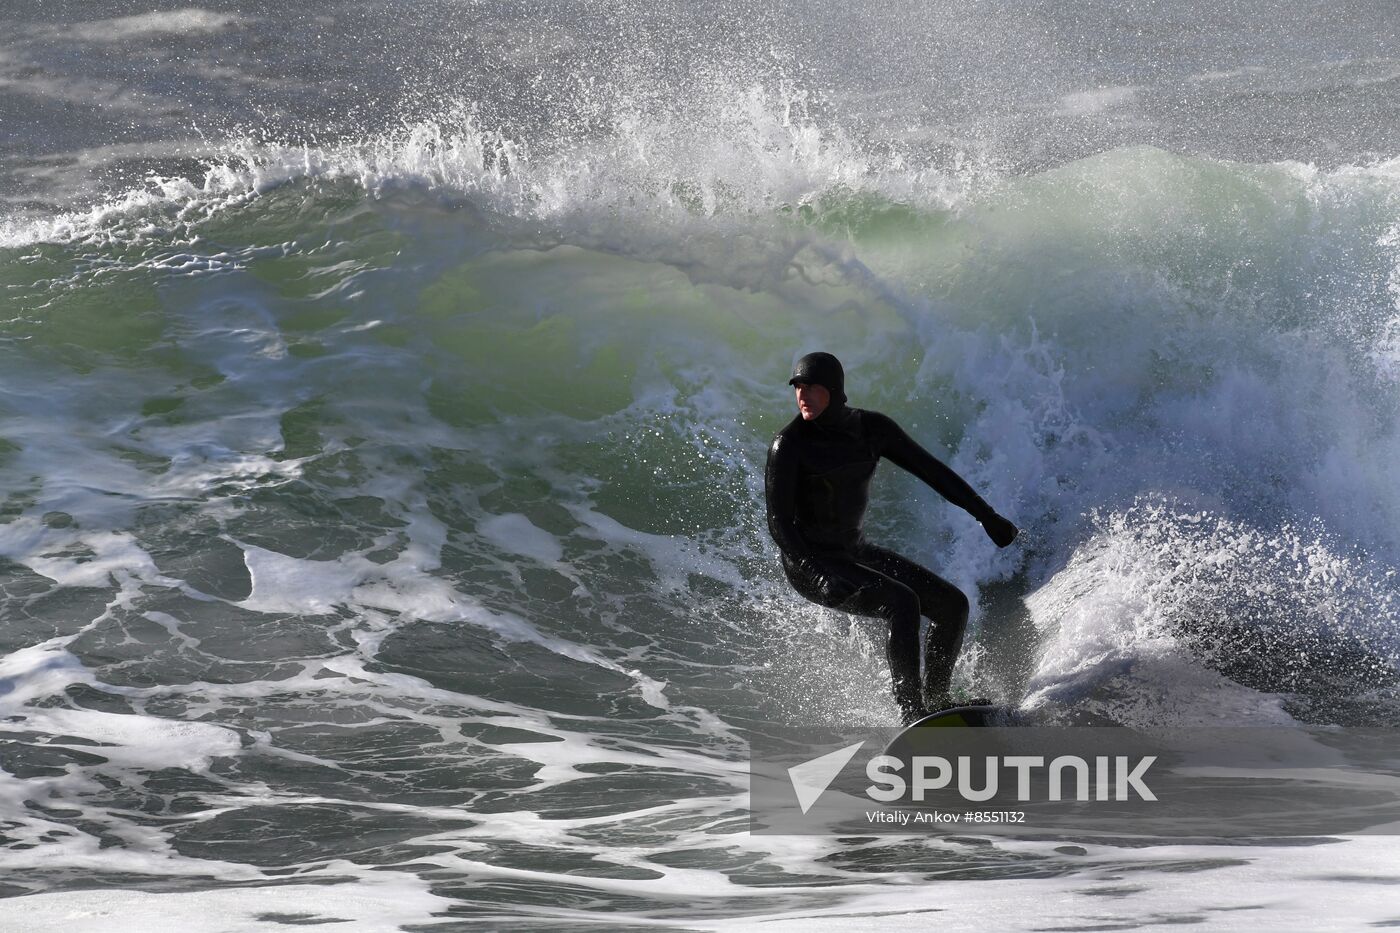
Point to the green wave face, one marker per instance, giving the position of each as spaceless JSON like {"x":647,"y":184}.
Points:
{"x":563,"y":414}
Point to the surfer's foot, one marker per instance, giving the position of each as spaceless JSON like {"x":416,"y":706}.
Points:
{"x":911,"y":714}
{"x":938,"y":701}
{"x":942,"y":701}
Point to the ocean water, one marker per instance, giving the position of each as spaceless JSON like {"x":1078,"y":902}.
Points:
{"x":384,"y":394}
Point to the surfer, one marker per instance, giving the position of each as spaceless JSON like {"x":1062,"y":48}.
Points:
{"x":818,"y":486}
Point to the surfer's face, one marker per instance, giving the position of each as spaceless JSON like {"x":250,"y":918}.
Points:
{"x":811,"y":400}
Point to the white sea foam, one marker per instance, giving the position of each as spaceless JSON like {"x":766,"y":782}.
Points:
{"x":122,"y":740}
{"x":1283,"y":888}
{"x":186,"y":21}
{"x":293,"y":585}
{"x":518,"y":535}
{"x":371,"y":903}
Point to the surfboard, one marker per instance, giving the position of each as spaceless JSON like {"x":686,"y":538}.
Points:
{"x":916,"y":735}
{"x":991,"y":715}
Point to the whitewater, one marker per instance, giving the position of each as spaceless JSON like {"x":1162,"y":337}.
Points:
{"x":384,"y":400}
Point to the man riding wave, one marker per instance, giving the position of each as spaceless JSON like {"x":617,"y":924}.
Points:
{"x":817,"y":482}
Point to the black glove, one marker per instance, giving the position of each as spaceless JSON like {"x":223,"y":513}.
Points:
{"x":1001,"y":531}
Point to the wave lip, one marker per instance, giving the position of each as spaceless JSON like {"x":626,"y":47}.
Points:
{"x":744,"y":151}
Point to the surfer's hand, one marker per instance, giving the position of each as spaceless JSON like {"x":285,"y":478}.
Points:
{"x":1001,"y":531}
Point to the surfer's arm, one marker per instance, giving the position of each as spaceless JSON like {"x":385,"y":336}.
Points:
{"x":904,"y":452}
{"x":780,"y":487}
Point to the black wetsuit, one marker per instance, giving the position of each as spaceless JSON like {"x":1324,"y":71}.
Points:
{"x":818,"y":479}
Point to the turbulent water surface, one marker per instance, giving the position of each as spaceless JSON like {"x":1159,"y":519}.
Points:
{"x":384,"y":393}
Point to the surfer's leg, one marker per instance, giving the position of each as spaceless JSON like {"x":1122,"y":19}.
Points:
{"x":852,"y":587}
{"x":942,"y":603}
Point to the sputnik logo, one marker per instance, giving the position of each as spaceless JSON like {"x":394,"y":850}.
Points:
{"x":811,"y":778}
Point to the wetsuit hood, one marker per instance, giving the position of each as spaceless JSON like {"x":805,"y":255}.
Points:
{"x":824,"y":370}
